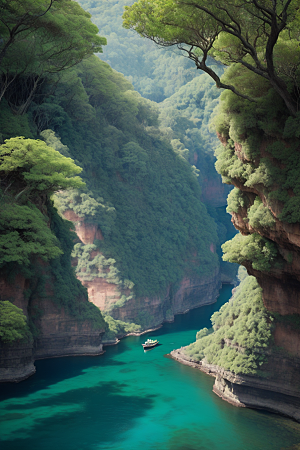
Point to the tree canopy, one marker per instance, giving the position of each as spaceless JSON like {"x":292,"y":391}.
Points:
{"x":28,"y":165}
{"x":13,"y":325}
{"x":63,"y":24}
{"x":260,"y":35}
{"x":51,"y":36}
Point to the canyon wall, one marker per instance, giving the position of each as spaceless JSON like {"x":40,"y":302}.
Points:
{"x":279,"y":392}
{"x":276,"y":385}
{"x":56,"y":332}
{"x":149,"y":311}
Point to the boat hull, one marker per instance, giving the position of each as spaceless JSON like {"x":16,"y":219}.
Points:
{"x":148,"y":346}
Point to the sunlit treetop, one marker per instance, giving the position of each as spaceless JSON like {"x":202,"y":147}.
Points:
{"x":261,"y":35}
{"x":30,"y":166}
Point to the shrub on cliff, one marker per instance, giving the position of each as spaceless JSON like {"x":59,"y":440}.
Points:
{"x":253,"y":249}
{"x":13,"y":324}
{"x":29,"y":167}
{"x":241,"y":332}
{"x":118,"y":328}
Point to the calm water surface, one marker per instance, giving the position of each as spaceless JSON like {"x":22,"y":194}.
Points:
{"x":129,"y":399}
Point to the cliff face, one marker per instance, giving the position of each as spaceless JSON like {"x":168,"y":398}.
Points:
{"x":155,"y":310}
{"x":279,"y":393}
{"x":57,"y":333}
{"x":281,"y":286}
{"x":149,"y":311}
{"x":86,"y":232}
{"x":63,"y":335}
{"x":214,"y":192}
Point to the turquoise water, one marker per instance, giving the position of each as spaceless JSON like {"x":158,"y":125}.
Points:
{"x":129,"y":399}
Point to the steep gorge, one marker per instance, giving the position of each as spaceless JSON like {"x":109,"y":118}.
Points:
{"x":146,"y":245}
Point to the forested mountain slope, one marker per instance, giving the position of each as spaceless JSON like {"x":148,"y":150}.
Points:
{"x":186,"y":99}
{"x":146,"y":246}
{"x":155,"y":73}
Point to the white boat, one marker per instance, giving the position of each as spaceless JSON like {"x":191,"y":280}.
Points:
{"x":150,"y":343}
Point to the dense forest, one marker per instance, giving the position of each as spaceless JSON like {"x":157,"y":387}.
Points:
{"x":67,"y":113}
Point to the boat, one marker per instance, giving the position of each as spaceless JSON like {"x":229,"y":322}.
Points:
{"x":150,"y":343}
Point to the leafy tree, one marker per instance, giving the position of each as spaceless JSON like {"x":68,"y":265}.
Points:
{"x":253,"y":249}
{"x":154,"y":72}
{"x":118,"y":328}
{"x":30,"y":166}
{"x":253,"y":35}
{"x":24,"y":233}
{"x":52,"y":36}
{"x":29,"y":172}
{"x":13,"y":324}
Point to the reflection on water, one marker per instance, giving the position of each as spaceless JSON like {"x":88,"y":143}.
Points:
{"x":129,"y":399}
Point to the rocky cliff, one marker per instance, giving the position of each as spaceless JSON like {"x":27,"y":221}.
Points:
{"x":261,"y":161}
{"x":58,"y":318}
{"x":55,"y":332}
{"x":279,"y":393}
{"x":120,"y":302}
{"x":153,"y":311}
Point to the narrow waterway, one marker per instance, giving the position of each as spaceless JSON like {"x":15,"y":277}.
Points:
{"x":129,"y":399}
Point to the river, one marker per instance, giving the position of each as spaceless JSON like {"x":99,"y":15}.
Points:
{"x":129,"y":399}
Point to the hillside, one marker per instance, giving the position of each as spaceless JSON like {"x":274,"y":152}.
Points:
{"x":145,"y":246}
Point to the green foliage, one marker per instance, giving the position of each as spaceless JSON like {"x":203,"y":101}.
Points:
{"x":142,"y":195}
{"x":236,"y":200}
{"x":29,"y":171}
{"x":202,"y":333}
{"x":53,"y":141}
{"x":118,"y":328}
{"x":35,"y":167}
{"x":252,"y":249}
{"x":241,"y":332}
{"x":230,"y":166}
{"x":93,"y":210}
{"x":13,"y":125}
{"x":13,"y":324}
{"x":205,"y":27}
{"x":89,"y":267}
{"x":275,"y":173}
{"x":184,"y":118}
{"x":24,"y":233}
{"x":260,"y":216}
{"x":155,"y":73}
{"x":51,"y":37}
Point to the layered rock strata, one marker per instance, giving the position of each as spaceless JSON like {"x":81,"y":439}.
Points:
{"x":62,"y":335}
{"x":16,"y":362}
{"x":279,"y":392}
{"x":190,"y":294}
{"x":58,"y":334}
{"x":281,"y":285}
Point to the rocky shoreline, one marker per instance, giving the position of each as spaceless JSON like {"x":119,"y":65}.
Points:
{"x":17,"y":365}
{"x":281,"y":395}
